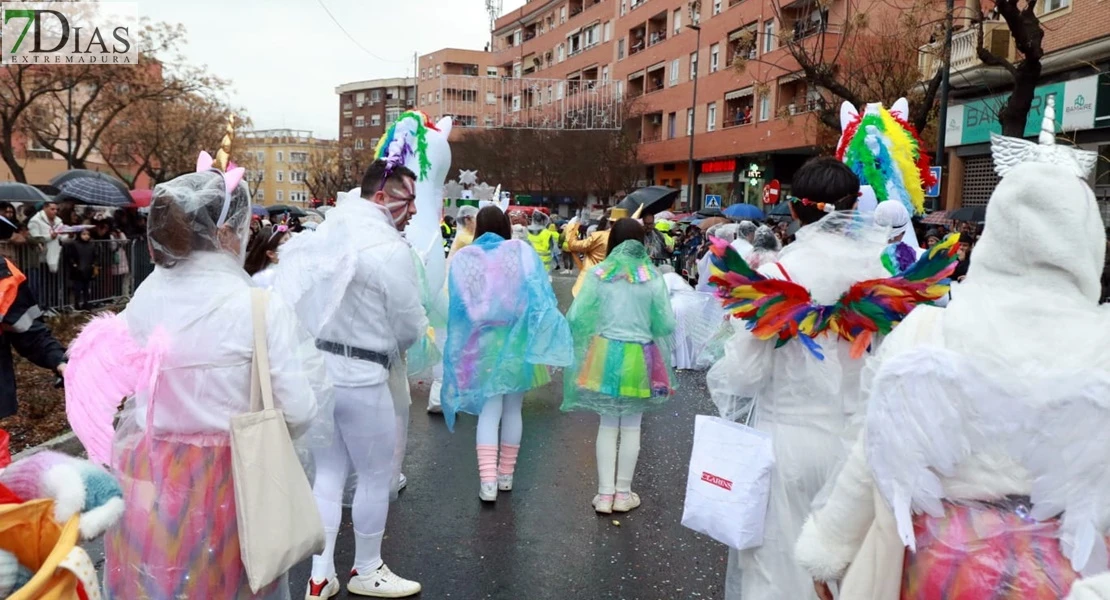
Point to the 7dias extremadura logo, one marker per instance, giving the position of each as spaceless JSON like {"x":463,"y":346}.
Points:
{"x":68,"y":33}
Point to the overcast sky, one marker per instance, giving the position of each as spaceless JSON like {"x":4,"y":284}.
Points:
{"x":284,"y":57}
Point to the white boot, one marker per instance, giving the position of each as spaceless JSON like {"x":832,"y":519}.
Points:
{"x":434,"y":405}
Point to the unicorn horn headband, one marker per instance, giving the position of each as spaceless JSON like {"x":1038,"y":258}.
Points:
{"x":1010,"y":152}
{"x":232,"y":177}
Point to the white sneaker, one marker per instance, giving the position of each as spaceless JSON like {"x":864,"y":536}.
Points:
{"x":382,"y":583}
{"x":434,"y":405}
{"x":488,"y":491}
{"x":328,"y":588}
{"x":603,"y":504}
{"x":626,"y":501}
{"x":505,"y":483}
{"x":402,"y":482}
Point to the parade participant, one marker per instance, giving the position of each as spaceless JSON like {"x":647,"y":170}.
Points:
{"x":765,"y":248}
{"x":22,"y":329}
{"x":181,"y":355}
{"x":592,"y":248}
{"x":504,"y":326}
{"x":465,"y":234}
{"x":984,"y":443}
{"x":262,"y":254}
{"x":622,"y":323}
{"x":542,"y":239}
{"x":659,"y":244}
{"x":802,"y":364}
{"x":729,"y":232}
{"x":354,"y":285}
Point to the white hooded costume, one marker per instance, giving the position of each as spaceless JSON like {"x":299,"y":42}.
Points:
{"x":1001,"y":398}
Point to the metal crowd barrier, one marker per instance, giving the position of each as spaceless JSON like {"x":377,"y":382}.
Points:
{"x":120,"y":266}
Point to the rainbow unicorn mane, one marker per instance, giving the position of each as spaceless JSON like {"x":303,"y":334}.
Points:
{"x":884,"y":150}
{"x":408,"y":136}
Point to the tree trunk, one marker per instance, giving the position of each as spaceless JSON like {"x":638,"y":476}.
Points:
{"x":9,"y":157}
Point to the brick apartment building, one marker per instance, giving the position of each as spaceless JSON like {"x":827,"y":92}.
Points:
{"x":366,"y":108}
{"x":439,"y":89}
{"x":1075,"y":69}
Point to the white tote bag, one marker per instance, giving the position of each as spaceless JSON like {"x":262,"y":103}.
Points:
{"x":279,"y":524}
{"x":729,"y":482}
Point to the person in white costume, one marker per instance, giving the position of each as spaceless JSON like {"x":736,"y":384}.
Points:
{"x":985,"y":443}
{"x":803,"y":402}
{"x":355,"y":287}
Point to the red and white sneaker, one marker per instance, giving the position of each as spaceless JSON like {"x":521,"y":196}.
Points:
{"x":382,"y":583}
{"x":328,"y":588}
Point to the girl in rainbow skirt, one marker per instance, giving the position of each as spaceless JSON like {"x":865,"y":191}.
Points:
{"x":622,"y":325}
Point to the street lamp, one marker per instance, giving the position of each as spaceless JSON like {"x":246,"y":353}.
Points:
{"x":694,"y":7}
{"x":942,"y":120}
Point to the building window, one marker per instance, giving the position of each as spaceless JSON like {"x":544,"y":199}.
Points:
{"x":358,"y":144}
{"x":764,"y":106}
{"x":491,"y":71}
{"x":374,"y":142}
{"x":559,"y":91}
{"x":489,"y":121}
{"x":608,"y":32}
{"x":375,"y":120}
{"x":620,"y":49}
{"x":693,"y":66}
{"x":280,"y":156}
{"x":689,"y":121}
{"x":438,"y":99}
{"x":516,"y":103}
{"x":280,"y":176}
{"x":671,"y":125}
{"x":561,"y":53}
{"x":714,"y":58}
{"x":605,"y":73}
{"x":768,"y":36}
{"x":360,"y":99}
{"x":516,"y":70}
{"x":1051,"y":5}
{"x":563,"y":15}
{"x":280,"y":195}
{"x":491,"y":98}
{"x":375,"y":96}
{"x":711,"y":117}
{"x":392,"y":114}
{"x":678,"y":21}
{"x":261,"y":156}
{"x":261,"y":195}
{"x":716,"y":7}
{"x":675,"y":66}
{"x":360,"y":121}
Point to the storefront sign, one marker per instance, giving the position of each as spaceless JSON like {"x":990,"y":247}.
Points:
{"x":718,"y":166}
{"x":1076,"y":101}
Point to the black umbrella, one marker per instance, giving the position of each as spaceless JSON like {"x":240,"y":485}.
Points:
{"x":655,"y":199}
{"x":91,"y":187}
{"x":712,"y":211}
{"x":283,"y":209}
{"x":969,"y":214}
{"x":21,"y":192}
{"x":782,"y":209}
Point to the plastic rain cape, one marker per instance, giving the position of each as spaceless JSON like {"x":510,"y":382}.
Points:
{"x":503,"y":325}
{"x":624,"y":302}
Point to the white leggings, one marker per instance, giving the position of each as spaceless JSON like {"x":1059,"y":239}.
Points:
{"x":627,"y":421}
{"x":503,"y":410}
{"x":366,"y":430}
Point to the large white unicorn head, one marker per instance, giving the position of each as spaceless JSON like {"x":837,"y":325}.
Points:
{"x":884,"y":151}
{"x":422,"y":146}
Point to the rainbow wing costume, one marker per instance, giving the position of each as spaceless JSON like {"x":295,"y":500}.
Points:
{"x":784,"y":310}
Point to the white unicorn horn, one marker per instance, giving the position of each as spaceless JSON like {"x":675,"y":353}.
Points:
{"x":1048,"y":125}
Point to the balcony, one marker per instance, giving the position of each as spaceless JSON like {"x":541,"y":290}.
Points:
{"x":739,"y":109}
{"x":965,"y":49}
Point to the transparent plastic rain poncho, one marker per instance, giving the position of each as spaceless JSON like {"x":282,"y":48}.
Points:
{"x":424,"y":354}
{"x":178,"y":536}
{"x":503,"y":326}
{"x":623,"y":327}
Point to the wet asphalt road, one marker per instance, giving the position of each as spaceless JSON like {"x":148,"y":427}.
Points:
{"x":543,"y":541}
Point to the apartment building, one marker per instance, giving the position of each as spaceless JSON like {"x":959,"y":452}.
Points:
{"x":444,"y":86}
{"x":1075,"y":70}
{"x":279,"y":161}
{"x":366,"y":108}
{"x":749,"y":127}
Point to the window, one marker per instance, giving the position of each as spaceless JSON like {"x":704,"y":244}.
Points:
{"x":375,"y":120}
{"x":392,"y":114}
{"x":563,"y":15}
{"x":261,"y":157}
{"x":438,"y":99}
{"x":675,"y":66}
{"x":517,"y":68}
{"x":516,"y":103}
{"x":671,"y":119}
{"x":280,"y":195}
{"x":360,"y":99}
{"x":280,"y":177}
{"x":261,"y":195}
{"x":280,"y":156}
{"x":768,"y":36}
{"x":1051,"y":5}
{"x":689,"y":121}
{"x":714,"y":58}
{"x":608,"y":32}
{"x":605,"y":73}
{"x":620,"y":89}
{"x":491,"y":71}
{"x":711,"y":117}
{"x":764,"y":106}
{"x":620,"y":49}
{"x":693,"y":66}
{"x":375,"y":96}
{"x":360,"y":121}
{"x":559,"y":91}
{"x":561,"y":53}
{"x":716,"y":7}
{"x":489,"y":121}
{"x":358,"y":144}
{"x":678,"y":21}
{"x":517,"y":37}
{"x":374,"y":142}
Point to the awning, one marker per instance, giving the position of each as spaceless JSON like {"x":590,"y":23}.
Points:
{"x":792,"y":77}
{"x":715,"y":178}
{"x":636,"y":75}
{"x":658,"y":67}
{"x":574,"y":31}
{"x":748,"y":91}
{"x":735,"y":35}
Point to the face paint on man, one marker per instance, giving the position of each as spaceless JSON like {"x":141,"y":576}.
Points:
{"x":400,"y":201}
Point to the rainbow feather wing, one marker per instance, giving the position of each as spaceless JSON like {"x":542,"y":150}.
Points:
{"x":876,"y":306}
{"x":773,"y":308}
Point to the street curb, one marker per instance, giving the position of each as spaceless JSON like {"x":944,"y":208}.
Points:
{"x":66,"y":443}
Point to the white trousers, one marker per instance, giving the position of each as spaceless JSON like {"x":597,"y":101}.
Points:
{"x":366,"y":431}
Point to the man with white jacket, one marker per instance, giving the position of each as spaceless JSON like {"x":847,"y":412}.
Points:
{"x":355,"y":288}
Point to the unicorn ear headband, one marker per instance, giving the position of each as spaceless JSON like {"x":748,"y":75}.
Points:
{"x":232,"y":178}
{"x":1010,"y":152}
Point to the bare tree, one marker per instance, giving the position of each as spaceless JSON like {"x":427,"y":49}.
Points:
{"x":1028,"y":36}
{"x":21,"y":87}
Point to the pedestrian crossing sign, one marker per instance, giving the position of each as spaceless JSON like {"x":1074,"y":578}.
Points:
{"x":712,"y":201}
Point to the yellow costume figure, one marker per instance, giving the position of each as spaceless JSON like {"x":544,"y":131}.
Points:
{"x":592,"y":248}
{"x":543,"y":240}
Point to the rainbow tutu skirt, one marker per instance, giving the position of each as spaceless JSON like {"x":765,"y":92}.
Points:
{"x":991,"y":550}
{"x":619,"y":378}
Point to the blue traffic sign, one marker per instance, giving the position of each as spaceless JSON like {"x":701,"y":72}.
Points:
{"x":934,"y":190}
{"x":712,"y":201}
